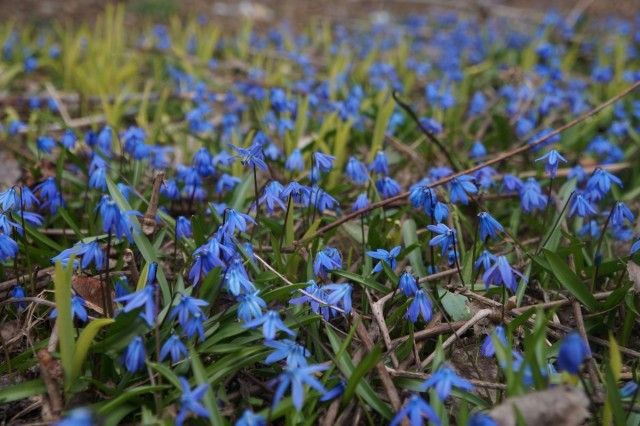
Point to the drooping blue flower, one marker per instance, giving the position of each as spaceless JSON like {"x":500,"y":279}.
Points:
{"x":620,"y":213}
{"x":249,"y":418}
{"x":407,"y":284}
{"x":8,"y":248}
{"x":45,"y":144}
{"x":104,"y":140}
{"x":511,"y":183}
{"x":600,"y":183}
{"x":551,"y":161}
{"x":577,"y":172}
{"x":18,"y":292}
{"x":572,"y":353}
{"x":356,"y":171}
{"x":477,"y":150}
{"x":77,"y":309}
{"x":183,"y":227}
{"x":326,"y":260}
{"x":416,"y":410}
{"x":134,"y":355}
{"x":379,"y":164}
{"x":581,"y":206}
{"x":237,"y":280}
{"x":316,"y":296}
{"x":445,"y":237}
{"x":170,"y":189}
{"x":271,"y":323}
{"x":236,"y":221}
{"x":7,"y":225}
{"x":334,"y":392}
{"x":226,"y":183}
{"x":387,"y":187}
{"x":194,"y":326}
{"x":459,"y":188}
{"x":635,"y":247}
{"x":531,"y":196}
{"x":485,"y":259}
{"x":295,"y":161}
{"x":174,"y":347}
{"x":488,"y":226}
{"x":297,"y":377}
{"x":49,"y":194}
{"x":323,"y":162}
{"x":432,"y":125}
{"x":361,"y":202}
{"x":78,"y":417}
{"x":321,"y":200}
{"x":339,"y":294}
{"x":295,"y":354}
{"x":91,"y":253}
{"x":590,"y":228}
{"x":191,"y":401}
{"x":488,"y":349}
{"x":252,"y":157}
{"x":384,"y":256}
{"x":444,"y":380}
{"x":141,"y":298}
{"x":272,"y":197}
{"x":420,"y":306}
{"x":186,"y":308}
{"x":629,"y":389}
{"x":501,"y":273}
{"x":250,"y":306}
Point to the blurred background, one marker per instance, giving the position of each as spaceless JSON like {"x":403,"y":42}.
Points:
{"x":300,"y":11}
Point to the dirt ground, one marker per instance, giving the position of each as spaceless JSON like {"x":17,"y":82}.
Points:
{"x":298,"y":11}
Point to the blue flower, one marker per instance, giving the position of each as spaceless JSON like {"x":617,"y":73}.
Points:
{"x":237,"y":280}
{"x":431,"y":125}
{"x":572,"y":353}
{"x":77,"y":417}
{"x":18,"y":292}
{"x":379,"y":164}
{"x":77,"y":309}
{"x":387,"y":187}
{"x":477,"y":150}
{"x":356,"y":171}
{"x":323,"y":162}
{"x":459,"y":188}
{"x":362,"y":202}
{"x":297,"y":192}
{"x":174,"y":347}
{"x":581,"y":206}
{"x":326,"y":260}
{"x":317,"y":298}
{"x":236,"y":221}
{"x":407,"y":284}
{"x":297,"y":377}
{"x":485,"y":259}
{"x":634,"y":247}
{"x":339,"y":293}
{"x":551,"y":161}
{"x":271,"y":323}
{"x":183,"y":227}
{"x":501,"y":273}
{"x":253,"y":156}
{"x":142,"y":298}
{"x":511,"y":183}
{"x":190,"y":401}
{"x":321,"y":200}
{"x":249,"y":418}
{"x":531,"y":196}
{"x":295,"y":354}
{"x":7,"y":225}
{"x":481,"y":419}
{"x":334,"y":392}
{"x":134,"y":355}
{"x":445,"y":237}
{"x":91,"y":253}
{"x":226,"y":183}
{"x":202,"y":161}
{"x":420,"y":306}
{"x":272,"y":196}
{"x":443,"y":380}
{"x":8,"y":248}
{"x":295,"y":161}
{"x":620,"y":213}
{"x":98,"y":178}
{"x":416,"y":410}
{"x":384,"y":256}
{"x":194,"y":325}
{"x":629,"y":389}
{"x":186,"y":308}
{"x":440,"y":212}
{"x":488,"y":226}
{"x":488,"y":349}
{"x":45,"y":144}
{"x":250,"y":306}
{"x":600,"y":183}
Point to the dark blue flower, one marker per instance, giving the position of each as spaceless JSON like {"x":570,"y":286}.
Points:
{"x":295,"y":354}
{"x":362,"y":202}
{"x":620,"y":213}
{"x":297,"y":377}
{"x":141,"y":298}
{"x":18,"y":292}
{"x":488,"y":226}
{"x":511,"y":183}
{"x":134,"y":355}
{"x":572,"y":353}
{"x":407,"y":284}
{"x":379,"y":164}
{"x":387,"y":187}
{"x":501,"y":273}
{"x":356,"y":171}
{"x":77,"y":309}
{"x":459,"y":188}
{"x":551,"y":161}
{"x":445,"y":237}
{"x":174,"y":347}
{"x":186,"y":308}
{"x":388,"y":257}
{"x":183,"y":227}
{"x":317,"y":298}
{"x":629,"y":389}
{"x":326,"y":260}
{"x":91,"y":253}
{"x":252,"y":156}
{"x":194,"y":325}
{"x":600,"y":183}
{"x":191,"y":401}
{"x":488,"y":349}
{"x":45,"y":144}
{"x":485,"y":259}
{"x":415,"y":410}
{"x":297,"y":192}
{"x":581,"y":206}
{"x":202,"y":161}
{"x":271,"y":323}
{"x":444,"y":380}
{"x":8,"y":248}
{"x":420,"y":306}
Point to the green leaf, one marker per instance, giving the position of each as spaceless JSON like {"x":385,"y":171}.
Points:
{"x":367,"y":363}
{"x":166,"y":372}
{"x":569,"y":280}
{"x":21,"y":391}
{"x":367,"y":282}
{"x":410,"y":238}
{"x":209,"y":400}
{"x":64,"y":320}
{"x":84,"y":342}
{"x":107,"y":407}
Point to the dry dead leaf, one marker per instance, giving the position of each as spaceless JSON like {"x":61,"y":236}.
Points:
{"x":634,"y":275}
{"x":90,"y":289}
